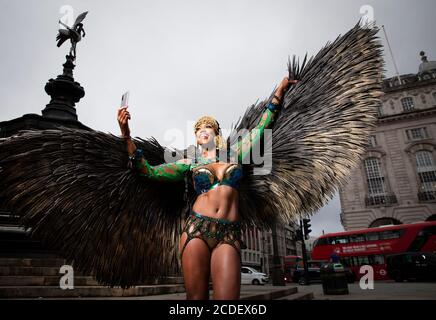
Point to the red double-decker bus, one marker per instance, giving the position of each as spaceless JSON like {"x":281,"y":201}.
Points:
{"x":371,"y":246}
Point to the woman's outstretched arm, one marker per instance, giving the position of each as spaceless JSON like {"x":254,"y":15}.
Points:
{"x":244,"y":145}
{"x":174,"y":171}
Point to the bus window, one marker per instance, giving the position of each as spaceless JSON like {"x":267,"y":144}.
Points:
{"x":419,"y":241}
{"x":340,"y":240}
{"x":392,"y":234}
{"x":363,"y":260}
{"x":321,"y":242}
{"x":379,"y":259}
{"x":347,"y":261}
{"x":354,"y":261}
{"x":431,"y":230}
{"x":357,"y":238}
{"x":376,"y":259}
{"x":372,"y":236}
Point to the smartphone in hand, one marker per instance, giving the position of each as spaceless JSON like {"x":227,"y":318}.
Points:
{"x":125,"y":99}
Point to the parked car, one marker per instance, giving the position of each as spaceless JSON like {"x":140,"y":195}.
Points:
{"x":314,"y":268}
{"x":252,"y":276}
{"x":411,"y":266}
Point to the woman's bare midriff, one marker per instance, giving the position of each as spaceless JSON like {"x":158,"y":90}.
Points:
{"x":220,"y":202}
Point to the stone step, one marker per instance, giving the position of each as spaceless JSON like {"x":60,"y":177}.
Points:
{"x":33,"y":271}
{"x":31,"y":262}
{"x":15,"y":292}
{"x":44,"y":281}
{"x":270,"y":295}
{"x":22,"y":246}
{"x":298,"y":296}
{"x":166,"y":280}
{"x":11,"y":233}
{"x":29,"y":255}
{"x":6,"y":219}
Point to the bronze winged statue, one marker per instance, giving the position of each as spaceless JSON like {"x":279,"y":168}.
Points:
{"x":74,"y":33}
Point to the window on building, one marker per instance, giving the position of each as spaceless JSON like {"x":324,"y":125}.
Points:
{"x":380,"y":111}
{"x":372,"y":142}
{"x":427,"y":175}
{"x":375,"y":179}
{"x":408,"y":104}
{"x":417,"y":134}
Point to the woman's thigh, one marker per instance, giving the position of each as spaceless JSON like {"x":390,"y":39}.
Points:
{"x":196,"y":268}
{"x":226,"y":272}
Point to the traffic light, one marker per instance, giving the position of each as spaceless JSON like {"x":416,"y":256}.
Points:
{"x":307,"y":230}
{"x":299,"y":235}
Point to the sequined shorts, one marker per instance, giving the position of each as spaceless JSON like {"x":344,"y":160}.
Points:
{"x":213,"y":231}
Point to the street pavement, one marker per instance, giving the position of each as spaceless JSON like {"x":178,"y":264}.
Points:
{"x":383,"y":290}
{"x":247,"y":291}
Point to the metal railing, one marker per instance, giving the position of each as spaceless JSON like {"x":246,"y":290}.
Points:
{"x":427,"y":195}
{"x":380,"y":200}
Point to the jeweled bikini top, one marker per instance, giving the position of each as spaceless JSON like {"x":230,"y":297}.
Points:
{"x":205,"y":178}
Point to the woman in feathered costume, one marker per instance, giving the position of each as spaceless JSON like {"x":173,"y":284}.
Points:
{"x":214,"y":218}
{"x":76,"y":193}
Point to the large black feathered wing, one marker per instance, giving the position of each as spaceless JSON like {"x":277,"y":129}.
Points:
{"x":73,"y":188}
{"x":320,"y":134}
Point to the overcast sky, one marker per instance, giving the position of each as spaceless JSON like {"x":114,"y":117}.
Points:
{"x":184,"y":59}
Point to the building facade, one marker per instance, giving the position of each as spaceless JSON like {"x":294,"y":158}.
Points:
{"x":260,"y":253}
{"x":395,"y":182}
{"x":254,"y":254}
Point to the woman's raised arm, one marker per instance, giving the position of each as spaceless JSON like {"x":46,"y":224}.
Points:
{"x":174,"y":171}
{"x":244,"y":145}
